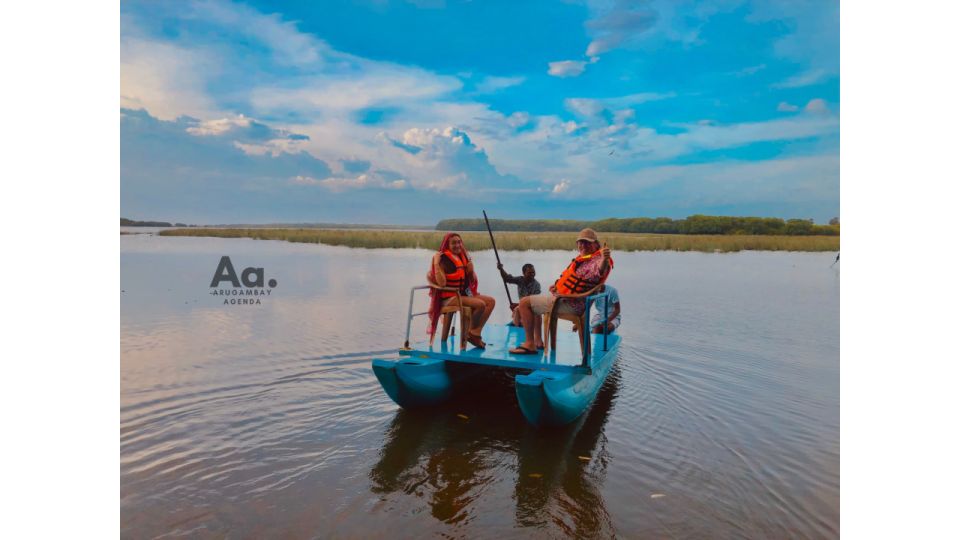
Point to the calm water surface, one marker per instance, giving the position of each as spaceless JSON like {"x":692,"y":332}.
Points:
{"x":720,"y":418}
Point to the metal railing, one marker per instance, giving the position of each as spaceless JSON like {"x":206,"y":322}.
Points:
{"x":411,"y":314}
{"x":606,"y":314}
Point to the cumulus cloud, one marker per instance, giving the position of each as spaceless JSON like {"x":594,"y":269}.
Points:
{"x":566,"y":68}
{"x":612,"y":109}
{"x":320,"y":94}
{"x":786,"y":107}
{"x":446,"y":159}
{"x":243,"y":128}
{"x":519,"y":119}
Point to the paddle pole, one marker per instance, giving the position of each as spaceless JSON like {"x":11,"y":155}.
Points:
{"x":494,"y":242}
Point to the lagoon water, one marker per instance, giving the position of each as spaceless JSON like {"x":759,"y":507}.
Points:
{"x":720,"y":418}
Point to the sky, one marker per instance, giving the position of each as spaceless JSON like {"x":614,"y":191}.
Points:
{"x":408,"y":112}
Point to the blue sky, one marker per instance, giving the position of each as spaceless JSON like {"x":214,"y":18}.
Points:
{"x":412,"y":111}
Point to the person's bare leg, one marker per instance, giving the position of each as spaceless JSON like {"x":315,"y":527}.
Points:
{"x":489,"y":302}
{"x":538,"y":330}
{"x":527,"y":317}
{"x":476,"y":306}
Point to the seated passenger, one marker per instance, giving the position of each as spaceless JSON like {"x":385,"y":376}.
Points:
{"x":452,"y":267}
{"x":526,"y":285}
{"x":613,"y":315}
{"x":589,"y":269}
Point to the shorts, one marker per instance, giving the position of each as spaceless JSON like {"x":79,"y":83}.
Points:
{"x":541,"y":304}
{"x":598,"y":322}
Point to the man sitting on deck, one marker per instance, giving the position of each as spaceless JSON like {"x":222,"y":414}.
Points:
{"x":589,"y":269}
{"x":613,"y":313}
{"x":526,"y":285}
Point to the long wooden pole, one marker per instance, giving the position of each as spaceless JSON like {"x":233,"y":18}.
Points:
{"x":494,"y":242}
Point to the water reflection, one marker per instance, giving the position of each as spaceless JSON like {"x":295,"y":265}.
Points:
{"x":451,"y":455}
{"x":268,"y":422}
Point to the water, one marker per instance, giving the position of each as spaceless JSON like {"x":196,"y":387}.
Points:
{"x":720,"y":418}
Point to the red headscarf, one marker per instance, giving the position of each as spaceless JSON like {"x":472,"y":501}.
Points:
{"x":435,"y":301}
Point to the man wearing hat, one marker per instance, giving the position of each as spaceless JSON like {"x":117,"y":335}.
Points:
{"x":589,"y":269}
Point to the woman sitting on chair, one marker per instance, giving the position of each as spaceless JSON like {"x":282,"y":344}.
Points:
{"x":452,"y":267}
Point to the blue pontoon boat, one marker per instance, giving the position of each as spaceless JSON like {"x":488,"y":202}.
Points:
{"x":552,"y":388}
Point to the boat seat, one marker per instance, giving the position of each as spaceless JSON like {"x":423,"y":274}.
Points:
{"x":447,"y":312}
{"x":580,"y":321}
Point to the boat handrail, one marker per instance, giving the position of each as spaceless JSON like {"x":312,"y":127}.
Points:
{"x":589,"y":299}
{"x":411,"y":314}
{"x":586,"y":317}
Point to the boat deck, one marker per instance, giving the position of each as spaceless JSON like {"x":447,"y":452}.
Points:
{"x":501,"y":338}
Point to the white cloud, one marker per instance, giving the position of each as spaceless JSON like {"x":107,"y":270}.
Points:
{"x":165,"y":79}
{"x":624,"y":21}
{"x":592,"y":107}
{"x":566,"y":68}
{"x":750,"y":70}
{"x":816,"y":106}
{"x":363,"y":181}
{"x":251,"y":137}
{"x":814,"y":40}
{"x":273,"y":147}
{"x":492,"y":84}
{"x":518,"y":119}
{"x":437,"y":154}
{"x":376,"y":84}
{"x":289,"y":44}
{"x":443,"y":159}
{"x":699,"y":137}
{"x":806,"y":78}
{"x":787,"y":107}
{"x":790,"y":182}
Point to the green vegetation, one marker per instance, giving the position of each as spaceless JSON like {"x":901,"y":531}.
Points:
{"x":124,"y":222}
{"x":323,"y":226}
{"x":519,"y":241}
{"x":697,"y":224}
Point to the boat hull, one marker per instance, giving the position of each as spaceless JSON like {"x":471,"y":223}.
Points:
{"x":414,"y":382}
{"x":556,"y":389}
{"x":553,"y":399}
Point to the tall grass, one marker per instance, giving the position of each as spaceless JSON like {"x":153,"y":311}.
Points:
{"x":519,"y":241}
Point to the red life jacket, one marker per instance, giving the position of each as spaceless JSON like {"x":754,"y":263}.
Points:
{"x":456,"y":279}
{"x":571,"y":283}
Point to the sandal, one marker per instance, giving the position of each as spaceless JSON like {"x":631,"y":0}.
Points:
{"x":476,"y":341}
{"x":522,"y":350}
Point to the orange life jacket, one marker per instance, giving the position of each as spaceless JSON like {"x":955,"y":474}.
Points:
{"x":456,"y":279}
{"x":571,"y":283}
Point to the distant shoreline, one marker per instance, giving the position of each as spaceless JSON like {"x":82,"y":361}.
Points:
{"x":521,"y":241}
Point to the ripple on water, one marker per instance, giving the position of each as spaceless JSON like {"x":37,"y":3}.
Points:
{"x":724,"y":402}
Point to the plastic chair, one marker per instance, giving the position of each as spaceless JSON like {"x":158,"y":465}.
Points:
{"x":550,"y":322}
{"x":466,"y":315}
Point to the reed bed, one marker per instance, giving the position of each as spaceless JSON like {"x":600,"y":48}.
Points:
{"x":521,"y":241}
